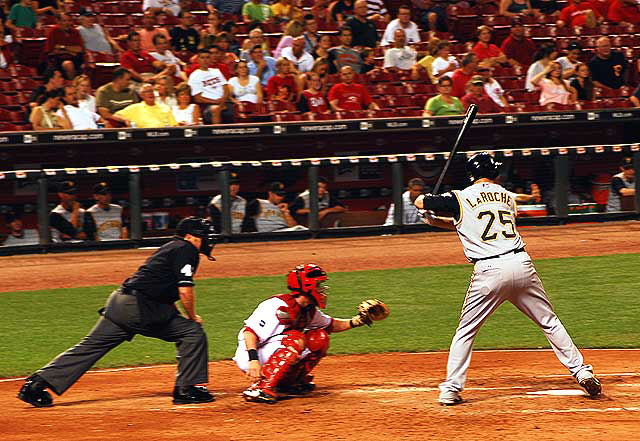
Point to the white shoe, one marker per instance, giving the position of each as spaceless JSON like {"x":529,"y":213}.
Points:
{"x":589,"y":382}
{"x":449,"y":398}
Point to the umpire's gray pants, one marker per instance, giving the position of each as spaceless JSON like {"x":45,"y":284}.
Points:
{"x":123,"y":323}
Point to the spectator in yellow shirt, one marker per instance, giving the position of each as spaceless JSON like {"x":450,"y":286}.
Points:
{"x":148,"y":113}
{"x":285,"y":10}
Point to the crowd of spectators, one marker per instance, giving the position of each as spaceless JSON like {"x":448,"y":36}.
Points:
{"x":181,"y":62}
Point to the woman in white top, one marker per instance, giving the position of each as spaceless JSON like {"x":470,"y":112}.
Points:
{"x":444,"y":63}
{"x":554,"y":89}
{"x":545,"y":55}
{"x":86,"y":101}
{"x":163,"y":90}
{"x":185,"y":112}
{"x":571,"y":60}
{"x":245,"y":87}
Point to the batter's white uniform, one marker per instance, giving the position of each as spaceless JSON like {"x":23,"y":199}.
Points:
{"x":269,"y":328}
{"x":503,"y":271}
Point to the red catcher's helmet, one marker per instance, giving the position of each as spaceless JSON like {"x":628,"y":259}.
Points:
{"x":306,"y":279}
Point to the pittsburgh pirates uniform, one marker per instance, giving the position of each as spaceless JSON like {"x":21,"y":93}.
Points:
{"x":108,"y":221}
{"x":60,"y":220}
{"x":270,"y":319}
{"x":269,"y":217}
{"x":618,"y":182}
{"x":410,"y":213}
{"x":484,"y":218}
{"x":238,"y":210}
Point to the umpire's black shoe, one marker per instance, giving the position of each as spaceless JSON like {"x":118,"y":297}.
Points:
{"x":191,"y":394}
{"x":32,"y":392}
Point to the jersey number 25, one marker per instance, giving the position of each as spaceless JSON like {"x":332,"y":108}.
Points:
{"x":504,"y":217}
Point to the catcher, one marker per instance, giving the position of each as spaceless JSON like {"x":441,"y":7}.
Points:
{"x":286,"y":336}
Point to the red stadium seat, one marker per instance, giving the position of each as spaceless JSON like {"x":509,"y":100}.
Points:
{"x":8,"y":127}
{"x":115,"y":19}
{"x":9,"y":100}
{"x":401,"y":101}
{"x":6,"y":115}
{"x":26,"y":84}
{"x":280,"y":106}
{"x":383,"y":113}
{"x":378,"y":75}
{"x":387,"y":89}
{"x":18,"y":70}
{"x":283,"y":117}
{"x":408,"y":112}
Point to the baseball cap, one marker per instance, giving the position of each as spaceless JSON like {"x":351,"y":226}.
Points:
{"x":476,"y":79}
{"x":416,"y":181}
{"x":627,"y":163}
{"x":516,"y":21}
{"x":277,"y":188}
{"x":87,"y":12}
{"x":68,"y":187}
{"x":101,"y":188}
{"x":233,"y":178}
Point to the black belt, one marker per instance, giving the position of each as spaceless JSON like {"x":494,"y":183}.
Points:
{"x":516,"y":251}
{"x":128,"y":291}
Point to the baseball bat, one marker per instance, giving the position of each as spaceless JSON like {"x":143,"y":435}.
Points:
{"x":468,"y":119}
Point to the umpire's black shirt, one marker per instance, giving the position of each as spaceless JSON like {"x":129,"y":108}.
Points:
{"x":173,"y":265}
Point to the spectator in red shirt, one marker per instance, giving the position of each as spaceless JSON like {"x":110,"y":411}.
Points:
{"x":518,"y":49}
{"x":282,"y":77}
{"x":624,"y":11}
{"x":348,"y":95}
{"x":143,"y":67}
{"x":488,"y":54}
{"x":579,"y":13}
{"x":476,"y":95}
{"x":64,"y":46}
{"x":462,"y":76}
{"x":312,"y":100}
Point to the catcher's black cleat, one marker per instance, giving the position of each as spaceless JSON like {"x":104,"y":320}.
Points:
{"x":259,"y":396}
{"x":191,"y":395}
{"x":33,"y":392}
{"x":297,"y":389}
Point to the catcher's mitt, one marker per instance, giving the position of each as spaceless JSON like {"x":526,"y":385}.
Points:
{"x":372,"y":310}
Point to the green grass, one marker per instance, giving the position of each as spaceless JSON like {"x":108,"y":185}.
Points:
{"x":595,"y":297}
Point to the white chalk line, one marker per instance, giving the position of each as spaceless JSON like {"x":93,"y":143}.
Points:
{"x":411,"y":389}
{"x":607,"y":409}
{"x":133,"y":368}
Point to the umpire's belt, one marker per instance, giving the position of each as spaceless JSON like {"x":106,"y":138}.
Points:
{"x":129,"y":291}
{"x":516,"y":251}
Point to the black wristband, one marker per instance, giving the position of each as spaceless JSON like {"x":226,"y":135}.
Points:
{"x":351,"y":323}
{"x":253,"y":354}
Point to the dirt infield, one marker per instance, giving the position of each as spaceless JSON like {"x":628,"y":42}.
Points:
{"x":511,"y":395}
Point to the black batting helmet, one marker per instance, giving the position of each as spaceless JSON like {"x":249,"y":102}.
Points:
{"x":201,"y":228}
{"x":482,"y":165}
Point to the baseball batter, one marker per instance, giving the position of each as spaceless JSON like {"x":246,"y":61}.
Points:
{"x":286,"y":336}
{"x":484,"y":216}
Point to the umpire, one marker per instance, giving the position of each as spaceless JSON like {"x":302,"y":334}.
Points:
{"x":145,"y":304}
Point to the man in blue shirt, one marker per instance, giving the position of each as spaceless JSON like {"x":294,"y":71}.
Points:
{"x":261,"y":66}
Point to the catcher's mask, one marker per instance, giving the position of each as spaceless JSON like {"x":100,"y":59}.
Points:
{"x":201,"y":228}
{"x":306,"y":279}
{"x":482,"y":165}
